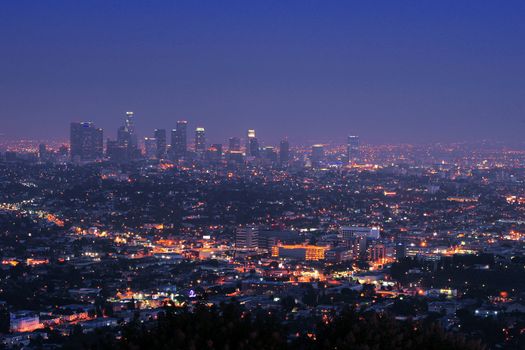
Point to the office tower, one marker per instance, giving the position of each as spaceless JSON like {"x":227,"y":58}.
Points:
{"x":160,"y":136}
{"x":284,"y":152}
{"x":116,"y":152}
{"x":317,"y":155}
{"x":254,"y":148}
{"x":127,"y":138}
{"x":252,"y":145}
{"x":400,"y":252}
{"x":86,"y":141}
{"x":353,"y":148}
{"x":179,"y":144}
{"x":200,"y":140}
{"x":173,"y":148}
{"x":126,"y":149}
{"x":129,"y":122}
{"x":269,"y":154}
{"x":150,"y":145}
{"x":247,"y":237}
{"x":234,"y":144}
{"x":358,"y":245}
{"x":123,"y":136}
{"x":129,"y":125}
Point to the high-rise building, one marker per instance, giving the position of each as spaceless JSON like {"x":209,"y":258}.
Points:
{"x":160,"y":136}
{"x":86,"y":141}
{"x":126,"y":149}
{"x":116,"y":152}
{"x":179,"y":143}
{"x":234,"y":144}
{"x":284,"y":152}
{"x":129,"y":125}
{"x":269,"y":154}
{"x":123,"y":136}
{"x":127,"y":139}
{"x":150,"y":145}
{"x":173,"y":148}
{"x":247,"y":237}
{"x":200,"y":140}
{"x":353,"y":148}
{"x":317,"y":155}
{"x":252,"y":144}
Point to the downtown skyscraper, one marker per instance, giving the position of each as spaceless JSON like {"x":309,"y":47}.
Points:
{"x":284,"y":152}
{"x":317,"y":155}
{"x":86,"y":141}
{"x":252,"y":145}
{"x":352,"y":149}
{"x":179,"y":140}
{"x":160,"y":137}
{"x":200,"y":140}
{"x":129,"y":125}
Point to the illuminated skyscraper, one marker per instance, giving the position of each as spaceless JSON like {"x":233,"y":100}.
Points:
{"x":127,"y":138}
{"x":130,"y":122}
{"x":179,"y":144}
{"x":252,"y":144}
{"x":317,"y":155}
{"x":160,"y":137}
{"x":123,"y":137}
{"x":86,"y":141}
{"x":126,"y":149}
{"x":353,"y":149}
{"x":129,"y":125}
{"x":200,"y":140}
{"x":284,"y":152}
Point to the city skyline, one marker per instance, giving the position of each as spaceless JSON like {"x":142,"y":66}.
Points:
{"x":265,"y":174}
{"x":391,"y":73}
{"x":212,"y":139}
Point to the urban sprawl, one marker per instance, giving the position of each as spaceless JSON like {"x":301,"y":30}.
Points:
{"x":98,"y":234}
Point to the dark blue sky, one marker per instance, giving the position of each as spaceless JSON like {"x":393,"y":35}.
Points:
{"x":389,"y":71}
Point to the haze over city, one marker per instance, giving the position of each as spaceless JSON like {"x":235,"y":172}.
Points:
{"x":312,"y":71}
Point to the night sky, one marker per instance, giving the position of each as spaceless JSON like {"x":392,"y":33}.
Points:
{"x":314,"y":71}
